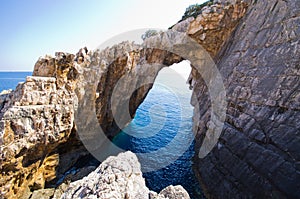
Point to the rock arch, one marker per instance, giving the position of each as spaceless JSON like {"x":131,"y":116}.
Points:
{"x":258,"y":153}
{"x":61,"y":73}
{"x":127,"y":88}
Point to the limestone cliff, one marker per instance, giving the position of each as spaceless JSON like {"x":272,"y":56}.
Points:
{"x":256,"y":47}
{"x":35,"y":119}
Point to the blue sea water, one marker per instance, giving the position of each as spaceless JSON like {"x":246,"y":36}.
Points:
{"x":162,"y":121}
{"x":9,"y":80}
{"x":163,"y":126}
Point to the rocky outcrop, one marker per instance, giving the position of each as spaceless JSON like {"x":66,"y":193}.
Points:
{"x":116,"y":177}
{"x":36,"y":120}
{"x":38,"y":136}
{"x":119,"y":177}
{"x":214,"y":24}
{"x":170,"y":192}
{"x":39,"y":143}
{"x":258,"y":152}
{"x":119,"y":60}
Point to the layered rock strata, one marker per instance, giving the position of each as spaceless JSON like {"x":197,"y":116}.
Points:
{"x":258,"y":152}
{"x":35,"y":119}
{"x":38,"y":136}
{"x":258,"y":57}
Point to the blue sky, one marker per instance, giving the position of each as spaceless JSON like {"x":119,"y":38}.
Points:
{"x":33,"y":28}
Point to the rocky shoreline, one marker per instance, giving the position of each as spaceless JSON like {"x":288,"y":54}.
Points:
{"x":255,"y":45}
{"x":117,"y":177}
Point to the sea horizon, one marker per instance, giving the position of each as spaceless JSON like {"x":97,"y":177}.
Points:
{"x":15,"y":71}
{"x":10,"y":79}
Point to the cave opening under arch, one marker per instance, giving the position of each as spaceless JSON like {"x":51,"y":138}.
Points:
{"x":165,"y":111}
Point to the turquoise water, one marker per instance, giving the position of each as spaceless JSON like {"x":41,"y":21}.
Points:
{"x":164,"y":119}
{"x":9,"y":80}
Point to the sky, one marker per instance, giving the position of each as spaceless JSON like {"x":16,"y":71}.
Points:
{"x":34,"y":28}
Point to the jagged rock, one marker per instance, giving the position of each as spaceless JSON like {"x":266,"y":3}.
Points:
{"x":184,"y":25}
{"x":118,"y":177}
{"x":42,"y":194}
{"x":37,"y":131}
{"x":170,"y":192}
{"x":60,"y":190}
{"x":4,"y":97}
{"x":45,"y":67}
{"x":258,"y":151}
{"x":49,"y":193}
{"x":213,"y":26}
{"x":34,"y":120}
{"x":61,"y":67}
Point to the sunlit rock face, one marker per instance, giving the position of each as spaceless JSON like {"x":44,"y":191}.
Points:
{"x":38,"y":136}
{"x":255,"y":45}
{"x":37,"y":128}
{"x":214,"y":25}
{"x":119,"y":177}
{"x":131,"y":63}
{"x":35,"y":119}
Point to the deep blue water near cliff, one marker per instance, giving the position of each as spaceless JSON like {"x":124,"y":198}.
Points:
{"x":9,"y":80}
{"x":164,"y":114}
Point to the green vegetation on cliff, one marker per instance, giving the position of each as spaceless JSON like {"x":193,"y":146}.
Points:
{"x":193,"y":10}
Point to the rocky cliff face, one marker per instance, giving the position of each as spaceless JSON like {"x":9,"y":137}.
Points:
{"x":38,"y":136}
{"x":35,"y":119}
{"x":257,"y":53}
{"x":258,"y":151}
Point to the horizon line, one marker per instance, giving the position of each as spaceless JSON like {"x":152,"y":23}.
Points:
{"x":16,"y":70}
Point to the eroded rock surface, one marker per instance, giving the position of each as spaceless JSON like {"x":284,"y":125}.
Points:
{"x":37,"y":130}
{"x":170,"y":192}
{"x":116,"y":177}
{"x":34,"y":120}
{"x":119,"y":177}
{"x":258,"y":153}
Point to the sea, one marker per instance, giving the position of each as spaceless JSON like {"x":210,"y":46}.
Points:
{"x":160,"y":133}
{"x":9,"y":80}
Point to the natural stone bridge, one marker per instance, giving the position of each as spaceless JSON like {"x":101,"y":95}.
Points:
{"x":258,"y":152}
